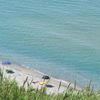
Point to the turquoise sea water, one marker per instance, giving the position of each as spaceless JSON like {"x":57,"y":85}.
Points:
{"x":58,"y":37}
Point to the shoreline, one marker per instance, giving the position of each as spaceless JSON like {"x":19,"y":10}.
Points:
{"x":21,"y":72}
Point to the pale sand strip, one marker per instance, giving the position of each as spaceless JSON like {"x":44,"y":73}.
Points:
{"x":21,"y":72}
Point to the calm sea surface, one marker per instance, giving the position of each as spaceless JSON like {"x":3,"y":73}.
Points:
{"x":58,"y":37}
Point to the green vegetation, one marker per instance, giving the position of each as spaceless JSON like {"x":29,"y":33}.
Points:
{"x":9,"y":90}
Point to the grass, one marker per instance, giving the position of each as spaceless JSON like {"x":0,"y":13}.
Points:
{"x":9,"y":90}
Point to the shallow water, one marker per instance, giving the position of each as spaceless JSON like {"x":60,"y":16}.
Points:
{"x":58,"y":37}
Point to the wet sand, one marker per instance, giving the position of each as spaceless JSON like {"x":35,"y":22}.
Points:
{"x":34,"y":78}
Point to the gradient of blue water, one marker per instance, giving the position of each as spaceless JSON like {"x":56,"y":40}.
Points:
{"x":58,"y":37}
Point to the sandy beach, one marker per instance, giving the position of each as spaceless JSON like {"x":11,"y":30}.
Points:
{"x":34,"y":77}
